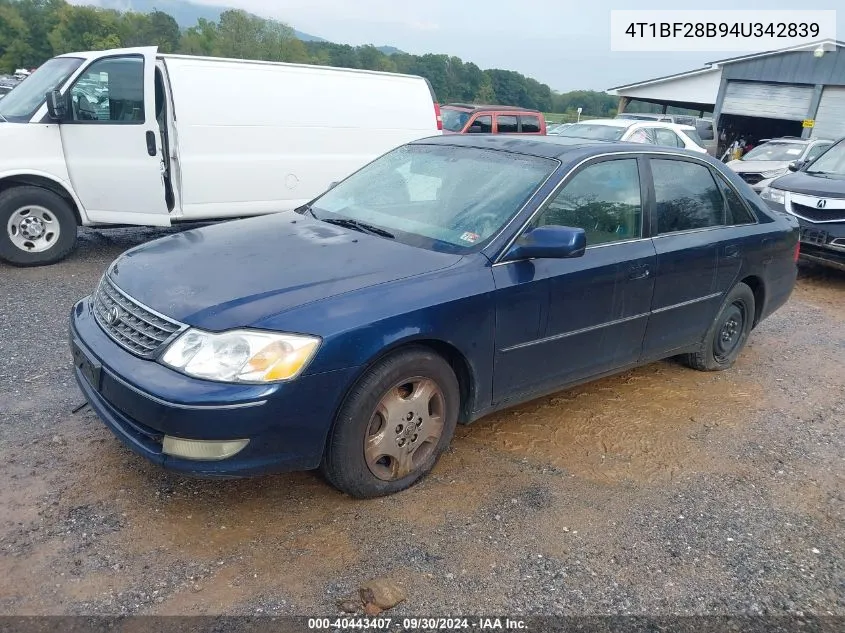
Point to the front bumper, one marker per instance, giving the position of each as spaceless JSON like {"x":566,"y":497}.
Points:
{"x":821,"y":242}
{"x":141,"y":401}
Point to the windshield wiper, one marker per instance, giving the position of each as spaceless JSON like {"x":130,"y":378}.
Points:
{"x":359,"y":226}
{"x":306,"y":208}
{"x":820,"y":173}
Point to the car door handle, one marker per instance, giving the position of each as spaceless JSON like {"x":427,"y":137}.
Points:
{"x":638,"y":272}
{"x":151,"y":143}
{"x":732,"y":251}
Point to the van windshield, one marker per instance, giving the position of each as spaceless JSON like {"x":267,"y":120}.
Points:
{"x":20,"y":104}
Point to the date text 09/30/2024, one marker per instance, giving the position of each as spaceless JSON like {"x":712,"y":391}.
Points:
{"x":417,"y":624}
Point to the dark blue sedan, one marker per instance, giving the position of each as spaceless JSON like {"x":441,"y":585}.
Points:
{"x":451,"y":277}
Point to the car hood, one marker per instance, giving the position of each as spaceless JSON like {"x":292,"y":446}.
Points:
{"x":801,"y":182}
{"x":237,"y":274}
{"x":757,"y":166}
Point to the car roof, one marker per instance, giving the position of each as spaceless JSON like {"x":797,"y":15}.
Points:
{"x":480,"y":108}
{"x":612,"y":122}
{"x":555,"y":147}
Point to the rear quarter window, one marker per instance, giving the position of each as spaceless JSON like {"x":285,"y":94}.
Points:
{"x":705,"y":130}
{"x":530,"y":124}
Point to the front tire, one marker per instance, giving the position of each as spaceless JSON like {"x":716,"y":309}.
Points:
{"x":37,"y":227}
{"x":394,"y":425}
{"x":728,"y":333}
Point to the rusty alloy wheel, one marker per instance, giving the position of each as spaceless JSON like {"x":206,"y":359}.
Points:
{"x":405,"y":428}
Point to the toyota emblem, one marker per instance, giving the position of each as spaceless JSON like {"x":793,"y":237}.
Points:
{"x":821,"y":204}
{"x":113,"y":315}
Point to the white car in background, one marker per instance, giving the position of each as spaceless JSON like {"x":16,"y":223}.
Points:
{"x":772,"y":159}
{"x":635,"y":131}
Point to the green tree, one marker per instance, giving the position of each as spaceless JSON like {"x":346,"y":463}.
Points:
{"x":84,"y":28}
{"x":14,"y":38}
{"x":240,"y":35}
{"x":200,"y":39}
{"x":166,"y":32}
{"x":485,"y":94}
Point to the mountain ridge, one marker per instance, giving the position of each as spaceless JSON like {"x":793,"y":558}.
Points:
{"x":187,"y":13}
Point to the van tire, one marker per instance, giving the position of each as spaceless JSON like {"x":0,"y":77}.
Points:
{"x":48,"y":211}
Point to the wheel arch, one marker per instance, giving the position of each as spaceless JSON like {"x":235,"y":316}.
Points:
{"x":48,"y":182}
{"x":758,"y":287}
{"x":456,"y":359}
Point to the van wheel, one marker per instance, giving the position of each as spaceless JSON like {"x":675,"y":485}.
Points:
{"x":727,"y":334}
{"x":37,"y":227}
{"x":394,"y":425}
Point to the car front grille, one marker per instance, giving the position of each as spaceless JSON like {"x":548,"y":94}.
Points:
{"x":818,"y":215}
{"x":130,"y":324}
{"x":751,"y":179}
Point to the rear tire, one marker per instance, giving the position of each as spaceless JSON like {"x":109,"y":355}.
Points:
{"x":37,"y":227}
{"x":728,"y":333}
{"x":394,"y":425}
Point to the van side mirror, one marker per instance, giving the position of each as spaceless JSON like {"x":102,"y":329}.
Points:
{"x":551,"y":242}
{"x":56,"y":105}
{"x":795,"y":165}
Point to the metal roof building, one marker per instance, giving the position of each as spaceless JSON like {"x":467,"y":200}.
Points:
{"x":796,"y":91}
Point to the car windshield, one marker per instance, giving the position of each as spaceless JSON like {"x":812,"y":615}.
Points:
{"x":440,"y":197}
{"x":22,"y":103}
{"x":454,"y":120}
{"x":592,"y":131}
{"x":831,"y":163}
{"x":776,"y":152}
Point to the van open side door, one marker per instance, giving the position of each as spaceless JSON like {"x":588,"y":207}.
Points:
{"x":112,"y":142}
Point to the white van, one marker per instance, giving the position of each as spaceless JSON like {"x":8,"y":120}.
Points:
{"x":132,"y":137}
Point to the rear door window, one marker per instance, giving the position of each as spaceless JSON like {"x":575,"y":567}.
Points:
{"x":529,"y":124}
{"x":482,"y":125}
{"x":507,"y":124}
{"x":686,"y":196}
{"x":641,"y":136}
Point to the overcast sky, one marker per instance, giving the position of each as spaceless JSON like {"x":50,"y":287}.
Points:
{"x":563,"y":44}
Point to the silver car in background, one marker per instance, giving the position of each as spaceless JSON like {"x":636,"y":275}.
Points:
{"x":773,"y":158}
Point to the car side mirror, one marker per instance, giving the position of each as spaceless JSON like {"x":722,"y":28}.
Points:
{"x":549,"y":242}
{"x":56,"y":105}
{"x":475,"y":129}
{"x":795,"y":165}
{"x":334,"y":184}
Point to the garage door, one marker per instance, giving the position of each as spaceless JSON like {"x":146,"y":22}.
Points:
{"x":772,"y":101}
{"x":830,"y":119}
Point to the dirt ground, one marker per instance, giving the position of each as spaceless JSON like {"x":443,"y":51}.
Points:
{"x":659,"y":491}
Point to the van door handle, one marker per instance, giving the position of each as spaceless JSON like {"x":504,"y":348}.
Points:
{"x":638,"y":272}
{"x":732,"y":251}
{"x":151,"y":143}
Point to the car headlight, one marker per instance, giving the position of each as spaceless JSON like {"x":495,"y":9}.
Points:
{"x":241,"y":355}
{"x":775,"y":172}
{"x":773,"y":195}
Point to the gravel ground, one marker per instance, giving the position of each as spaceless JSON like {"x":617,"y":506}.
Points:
{"x":659,"y":491}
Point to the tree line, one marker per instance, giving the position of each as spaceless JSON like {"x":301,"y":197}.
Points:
{"x":32,"y":31}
